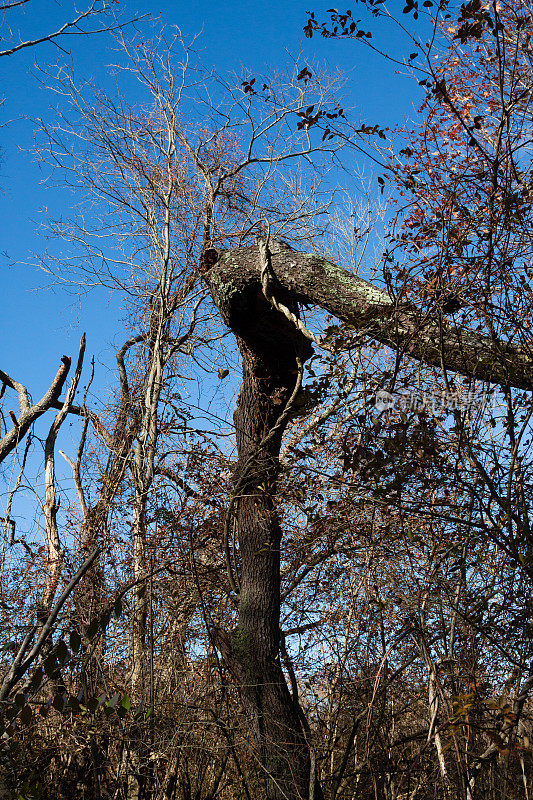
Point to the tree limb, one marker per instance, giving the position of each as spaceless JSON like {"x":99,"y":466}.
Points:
{"x":311,"y":279}
{"x":29,"y":413}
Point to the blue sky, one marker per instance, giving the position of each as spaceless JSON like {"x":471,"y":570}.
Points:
{"x":39,"y":326}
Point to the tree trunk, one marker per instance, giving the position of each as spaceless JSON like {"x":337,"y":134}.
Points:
{"x":269,"y":345}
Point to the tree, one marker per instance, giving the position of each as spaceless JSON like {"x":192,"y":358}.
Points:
{"x":264,"y":332}
{"x":187,"y":200}
{"x":176,"y":192}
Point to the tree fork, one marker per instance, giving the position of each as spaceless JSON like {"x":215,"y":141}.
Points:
{"x":271,"y":347}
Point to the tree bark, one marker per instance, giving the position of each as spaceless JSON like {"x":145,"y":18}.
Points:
{"x":269,"y":345}
{"x":313,"y":280}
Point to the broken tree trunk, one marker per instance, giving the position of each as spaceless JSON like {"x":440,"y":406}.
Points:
{"x":270,"y":345}
{"x":313,"y":280}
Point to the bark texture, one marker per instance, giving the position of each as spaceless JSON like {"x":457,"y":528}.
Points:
{"x":269,"y":345}
{"x":313,"y":280}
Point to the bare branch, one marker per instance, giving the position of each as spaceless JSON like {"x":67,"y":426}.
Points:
{"x":70,"y":28}
{"x":30,"y":413}
{"x":51,"y":506}
{"x":21,"y":664}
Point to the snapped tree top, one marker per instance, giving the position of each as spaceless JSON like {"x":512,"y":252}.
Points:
{"x":307,"y":278}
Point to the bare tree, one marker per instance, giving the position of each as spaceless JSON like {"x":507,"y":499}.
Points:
{"x":80,"y":24}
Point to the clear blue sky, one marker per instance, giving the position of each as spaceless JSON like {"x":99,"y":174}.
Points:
{"x":38,"y":327}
